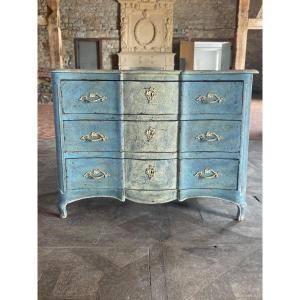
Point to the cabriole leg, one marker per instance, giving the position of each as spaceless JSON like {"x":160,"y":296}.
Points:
{"x":241,"y":212}
{"x":62,"y":208}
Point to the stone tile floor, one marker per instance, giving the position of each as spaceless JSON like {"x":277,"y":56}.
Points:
{"x":119,"y":251}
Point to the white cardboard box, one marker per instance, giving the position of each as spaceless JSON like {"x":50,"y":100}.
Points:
{"x":212,"y":56}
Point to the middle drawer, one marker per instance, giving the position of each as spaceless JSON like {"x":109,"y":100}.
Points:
{"x":139,"y":136}
{"x":210,"y":135}
{"x":140,"y":174}
{"x":92,"y":135}
{"x":150,"y":136}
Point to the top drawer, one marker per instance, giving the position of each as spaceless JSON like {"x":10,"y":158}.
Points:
{"x":88,"y":97}
{"x":150,"y":97}
{"x":212,"y":97}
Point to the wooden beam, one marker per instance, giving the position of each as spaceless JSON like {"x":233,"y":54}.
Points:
{"x":255,"y":24}
{"x":241,"y":34}
{"x":260,"y":13}
{"x":60,"y":43}
{"x":54,"y":33}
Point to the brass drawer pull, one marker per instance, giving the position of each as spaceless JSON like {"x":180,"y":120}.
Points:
{"x":207,"y":173}
{"x":149,"y":133}
{"x":93,"y":97}
{"x":150,"y":94}
{"x":209,"y":136}
{"x":150,"y":172}
{"x":210,"y":98}
{"x":96,"y":174}
{"x":94,"y":137}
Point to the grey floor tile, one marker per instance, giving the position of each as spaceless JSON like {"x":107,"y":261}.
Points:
{"x":90,"y":273}
{"x":157,"y":273}
{"x":190,"y":270}
{"x":77,"y":283}
{"x":131,"y":282}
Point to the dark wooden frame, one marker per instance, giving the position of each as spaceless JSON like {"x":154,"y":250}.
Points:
{"x":99,"y":49}
{"x":99,"y":56}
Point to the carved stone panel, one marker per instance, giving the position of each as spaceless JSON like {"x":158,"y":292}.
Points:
{"x":146,"y":34}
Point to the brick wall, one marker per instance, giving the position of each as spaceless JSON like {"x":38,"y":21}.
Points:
{"x":204,"y":18}
{"x":42,"y":7}
{"x":87,"y":19}
{"x":198,"y":19}
{"x":44,"y":84}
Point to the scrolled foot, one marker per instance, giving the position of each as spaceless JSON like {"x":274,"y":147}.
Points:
{"x":62,"y":211}
{"x":241,"y":212}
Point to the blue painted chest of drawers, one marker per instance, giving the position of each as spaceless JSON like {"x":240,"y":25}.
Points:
{"x":152,"y":137}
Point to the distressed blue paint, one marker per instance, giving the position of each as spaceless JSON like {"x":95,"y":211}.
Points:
{"x":74,"y":130}
{"x":93,"y":154}
{"x":72,"y":91}
{"x":173,"y":152}
{"x":230,"y":91}
{"x":227,"y":131}
{"x":76,"y":168}
{"x":227,"y":170}
{"x":201,"y":116}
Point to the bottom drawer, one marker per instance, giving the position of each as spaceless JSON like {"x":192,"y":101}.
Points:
{"x":209,"y":174}
{"x":156,"y":174}
{"x":94,"y":173}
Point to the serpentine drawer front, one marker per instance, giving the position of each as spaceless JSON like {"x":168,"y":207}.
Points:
{"x":150,"y":97}
{"x":150,"y":174}
{"x":97,"y":173}
{"x":89,"y":97}
{"x":209,"y":174}
{"x":212,"y":97}
{"x":210,"y":135}
{"x":152,"y":136}
{"x":92,"y":135}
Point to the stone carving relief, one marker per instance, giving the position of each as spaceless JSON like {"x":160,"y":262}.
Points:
{"x":124,"y":25}
{"x":146,"y":34}
{"x":144,"y":31}
{"x":168,"y":32}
